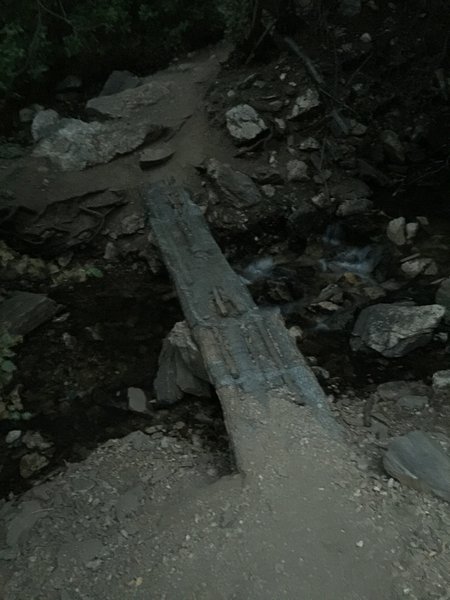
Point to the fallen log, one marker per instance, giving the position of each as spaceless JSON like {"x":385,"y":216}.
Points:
{"x":247,"y":352}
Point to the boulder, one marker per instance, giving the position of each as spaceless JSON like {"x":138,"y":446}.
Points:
{"x":75,"y":145}
{"x":419,"y":461}
{"x":237,"y":188}
{"x":244,"y":124}
{"x":419,"y":266}
{"x":119,"y":81}
{"x":441,"y":382}
{"x":25,"y":311}
{"x":44,"y":123}
{"x":393,"y":330}
{"x":303,"y":104}
{"x":124,"y":104}
{"x":396,"y":231}
{"x":443,"y":297}
{"x":181,"y":369}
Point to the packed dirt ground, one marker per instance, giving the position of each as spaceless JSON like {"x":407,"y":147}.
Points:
{"x":328,"y":194}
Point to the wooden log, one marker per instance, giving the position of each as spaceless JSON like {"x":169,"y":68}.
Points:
{"x":249,"y":355}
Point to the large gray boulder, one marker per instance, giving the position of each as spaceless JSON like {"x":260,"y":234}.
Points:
{"x":124,"y":104}
{"x":418,"y":460}
{"x":75,"y":145}
{"x":393,"y":330}
{"x":244,"y":124}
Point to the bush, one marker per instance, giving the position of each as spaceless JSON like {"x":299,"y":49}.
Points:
{"x":37,"y":36}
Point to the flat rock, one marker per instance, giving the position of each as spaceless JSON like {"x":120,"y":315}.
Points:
{"x":181,"y":369}
{"x":393,"y":330}
{"x":237,"y":188}
{"x":155,"y":155}
{"x":25,"y":311}
{"x":244,"y":123}
{"x":76,"y":145}
{"x":419,"y":461}
{"x":443,"y":297}
{"x":309,"y":100}
{"x":119,"y":81}
{"x":396,"y":231}
{"x":123,"y":104}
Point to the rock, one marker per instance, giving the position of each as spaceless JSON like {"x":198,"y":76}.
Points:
{"x":24,"y":311}
{"x":33,"y":440}
{"x":393,"y":330}
{"x":119,"y":81}
{"x":354,"y":206}
{"x":443,"y":297}
{"x":111,"y":252}
{"x":181,"y":369}
{"x":411,"y":230}
{"x":418,"y":461}
{"x":350,"y":8}
{"x":244,"y":124}
{"x":350,"y":189}
{"x":268,"y":190}
{"x":12,"y":436}
{"x":398,"y":391}
{"x":297,"y":170}
{"x":31,"y":464}
{"x":132,"y":224}
{"x":69,"y":83}
{"x":441,"y":381}
{"x":75,"y":145}
{"x":305,"y":103}
{"x":393,"y":147}
{"x":237,"y":188}
{"x":155,"y":155}
{"x":396,"y":231}
{"x":123,"y":104}
{"x":305,"y":220}
{"x":44,"y":123}
{"x":413,"y":268}
{"x":357,"y":128}
{"x":366,"y":38}
{"x":137,"y":400}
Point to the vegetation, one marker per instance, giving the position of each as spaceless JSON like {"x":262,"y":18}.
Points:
{"x":42,"y":37}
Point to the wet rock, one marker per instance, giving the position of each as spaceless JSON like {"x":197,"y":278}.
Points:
{"x":75,"y":145}
{"x":443,"y":297}
{"x":393,"y":330}
{"x":44,"y":123}
{"x":119,"y":81}
{"x":31,"y":464}
{"x":12,"y":436}
{"x":417,"y":266}
{"x":297,"y":170}
{"x":396,"y":231}
{"x":441,"y":382}
{"x":181,"y":369}
{"x":354,"y":206}
{"x":237,"y":188}
{"x":393,"y":147}
{"x":137,"y":400}
{"x":155,"y":155}
{"x":244,"y":123}
{"x":350,"y":8}
{"x":24,"y":311}
{"x":123,"y":104}
{"x":419,"y":461}
{"x":305,"y":103}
